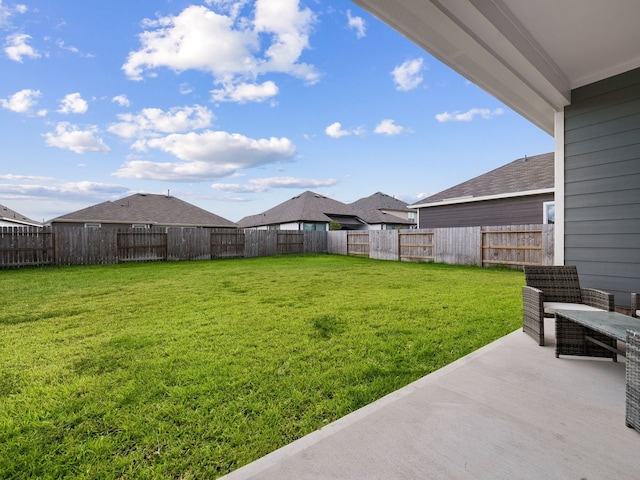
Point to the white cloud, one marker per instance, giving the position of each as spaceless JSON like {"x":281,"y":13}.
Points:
{"x":70,"y":137}
{"x":73,"y":103}
{"x":408,"y":75}
{"x":121,"y":100}
{"x":6,"y":12}
{"x":260,"y":185}
{"x":154,"y":121}
{"x":16,"y":47}
{"x":22,"y":101}
{"x":469,"y":115}
{"x":356,"y":23}
{"x":54,"y":189}
{"x":388,"y":127}
{"x":206,"y":155}
{"x":230,"y":46}
{"x":335,"y":130}
{"x":245,"y":92}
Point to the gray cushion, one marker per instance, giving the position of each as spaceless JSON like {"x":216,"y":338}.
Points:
{"x":551,"y":307}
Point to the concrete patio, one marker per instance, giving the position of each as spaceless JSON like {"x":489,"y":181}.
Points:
{"x":509,"y":410}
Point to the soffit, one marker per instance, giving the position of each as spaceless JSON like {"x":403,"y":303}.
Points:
{"x":528,"y":54}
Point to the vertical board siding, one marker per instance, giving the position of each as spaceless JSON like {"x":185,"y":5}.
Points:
{"x":602,"y":185}
{"x":505,"y":211}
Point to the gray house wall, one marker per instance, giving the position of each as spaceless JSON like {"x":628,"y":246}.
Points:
{"x":602,"y":185}
{"x":504,"y":211}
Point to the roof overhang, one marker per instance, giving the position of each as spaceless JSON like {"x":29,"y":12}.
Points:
{"x":458,"y":200}
{"x":528,"y":54}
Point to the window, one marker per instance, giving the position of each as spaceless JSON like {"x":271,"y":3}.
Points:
{"x":314,"y":226}
{"x":411,"y":216}
{"x":92,"y":225}
{"x":549,"y":212}
{"x":140,"y":225}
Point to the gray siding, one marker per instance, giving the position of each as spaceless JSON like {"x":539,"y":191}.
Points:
{"x":504,"y":211}
{"x":602,"y":185}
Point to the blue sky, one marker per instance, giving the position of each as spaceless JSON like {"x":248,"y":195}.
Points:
{"x":234,"y":106}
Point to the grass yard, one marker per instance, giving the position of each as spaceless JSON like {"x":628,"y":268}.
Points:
{"x":193,"y":369}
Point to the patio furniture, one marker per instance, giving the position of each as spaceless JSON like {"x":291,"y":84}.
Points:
{"x":635,"y":305}
{"x":554,"y":287}
{"x":593,"y":333}
{"x":633,"y":380}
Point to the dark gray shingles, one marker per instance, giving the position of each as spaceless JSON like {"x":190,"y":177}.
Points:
{"x":149,"y":209}
{"x":522,"y":175}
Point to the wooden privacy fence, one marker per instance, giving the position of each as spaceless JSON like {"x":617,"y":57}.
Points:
{"x":89,"y":246}
{"x":485,"y":246}
{"x":24,"y":246}
{"x":511,"y":245}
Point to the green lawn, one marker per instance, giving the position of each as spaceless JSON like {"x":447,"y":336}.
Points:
{"x":193,"y":369}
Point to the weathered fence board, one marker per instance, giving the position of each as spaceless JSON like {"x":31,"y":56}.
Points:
{"x":502,"y":245}
{"x":458,"y":246}
{"x":188,"y":244}
{"x":85,"y":246}
{"x":26,"y":246}
{"x":383,"y":244}
{"x":290,"y":241}
{"x":142,"y":244}
{"x":415,"y":245}
{"x":358,"y":243}
{"x":337,"y":242}
{"x":227,"y":243}
{"x":315,"y":241}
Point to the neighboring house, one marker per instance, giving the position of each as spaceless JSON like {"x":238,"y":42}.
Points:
{"x":384,"y":212}
{"x":573,"y":69}
{"x":518,"y":193}
{"x":11,"y":218}
{"x":143,"y":211}
{"x":307,"y":211}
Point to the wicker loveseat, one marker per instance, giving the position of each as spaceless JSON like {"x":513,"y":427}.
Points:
{"x":556,"y":287}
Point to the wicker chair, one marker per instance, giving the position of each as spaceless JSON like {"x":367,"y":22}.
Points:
{"x":551,"y":288}
{"x":633,"y":379}
{"x":635,"y":305}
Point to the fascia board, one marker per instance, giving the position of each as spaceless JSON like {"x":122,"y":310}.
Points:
{"x":459,"y":200}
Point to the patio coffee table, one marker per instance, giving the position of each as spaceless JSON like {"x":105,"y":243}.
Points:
{"x":593,"y":334}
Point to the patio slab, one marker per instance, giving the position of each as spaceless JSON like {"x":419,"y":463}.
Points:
{"x":509,"y":410}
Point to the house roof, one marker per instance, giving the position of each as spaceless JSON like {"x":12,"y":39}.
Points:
{"x":306,"y":207}
{"x":524,"y":176}
{"x":147,"y":209}
{"x":529,"y":54}
{"x":372,"y":209}
{"x":11,"y":216}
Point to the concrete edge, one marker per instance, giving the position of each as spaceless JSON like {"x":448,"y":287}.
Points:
{"x":247,"y":471}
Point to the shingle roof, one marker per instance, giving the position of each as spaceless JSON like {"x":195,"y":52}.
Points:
{"x":522,"y":175}
{"x":306,"y":207}
{"x":372,"y":209}
{"x":150,"y":209}
{"x":12,"y":216}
